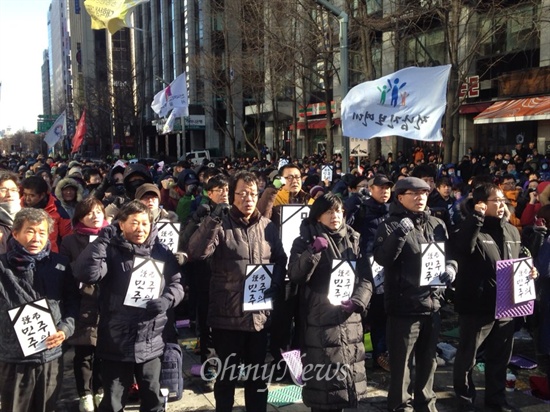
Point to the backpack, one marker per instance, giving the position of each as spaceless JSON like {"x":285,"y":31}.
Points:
{"x":171,"y":372}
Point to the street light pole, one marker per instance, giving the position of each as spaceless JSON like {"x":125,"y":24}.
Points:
{"x":343,"y":19}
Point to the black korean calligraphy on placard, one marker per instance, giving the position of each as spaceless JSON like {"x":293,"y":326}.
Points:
{"x":342,"y":281}
{"x":32,"y":323}
{"x":145,"y":282}
{"x":168,"y":234}
{"x":524,"y":285}
{"x":432,"y":264}
{"x":258,"y":279}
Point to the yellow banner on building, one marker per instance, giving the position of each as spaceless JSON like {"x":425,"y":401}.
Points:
{"x":112,"y":15}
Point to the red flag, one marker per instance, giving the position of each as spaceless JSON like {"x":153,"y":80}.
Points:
{"x":78,"y":137}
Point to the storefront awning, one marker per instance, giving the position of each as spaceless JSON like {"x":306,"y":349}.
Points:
{"x":517,"y":110}
{"x":315,"y":124}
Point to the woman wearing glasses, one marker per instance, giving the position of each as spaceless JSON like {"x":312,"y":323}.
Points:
{"x":10,"y":204}
{"x":484,"y":237}
{"x":236,"y":239}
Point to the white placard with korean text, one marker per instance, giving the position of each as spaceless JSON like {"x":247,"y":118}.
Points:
{"x":326,"y":173}
{"x":169,"y":234}
{"x":291,"y":219}
{"x":524,"y":285}
{"x":433,"y":263}
{"x":33,"y":323}
{"x":145,"y":282}
{"x":377,"y":272}
{"x":342,"y":281}
{"x":258,"y":279}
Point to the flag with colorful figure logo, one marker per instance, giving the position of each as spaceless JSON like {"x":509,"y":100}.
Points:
{"x":408,"y":103}
{"x":173,"y":96}
{"x":112,"y":15}
{"x":58,"y":129}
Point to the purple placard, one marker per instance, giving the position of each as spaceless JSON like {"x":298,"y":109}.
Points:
{"x":293,"y":359}
{"x":506,"y":308}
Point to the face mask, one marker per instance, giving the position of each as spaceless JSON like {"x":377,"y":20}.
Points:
{"x":133,"y":185}
{"x":92,"y":186}
{"x":119,"y":189}
{"x":12,"y":207}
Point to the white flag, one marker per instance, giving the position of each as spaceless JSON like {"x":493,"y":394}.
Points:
{"x":175,"y":95}
{"x":174,"y":114}
{"x":58,"y":129}
{"x":408,"y":103}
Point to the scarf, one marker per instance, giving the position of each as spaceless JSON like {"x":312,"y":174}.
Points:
{"x":82,"y":229}
{"x":339,"y":245}
{"x":20,"y":258}
{"x":236,"y":214}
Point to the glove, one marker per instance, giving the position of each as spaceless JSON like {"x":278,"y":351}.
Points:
{"x":220,"y":210}
{"x":405,"y":227}
{"x":279,"y":182}
{"x":348,"y":306}
{"x":449,"y":275}
{"x":202,"y":211}
{"x":181,"y":257}
{"x":319,"y":244}
{"x":157,"y":306}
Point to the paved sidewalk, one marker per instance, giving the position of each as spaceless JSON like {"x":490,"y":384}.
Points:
{"x":195,"y":400}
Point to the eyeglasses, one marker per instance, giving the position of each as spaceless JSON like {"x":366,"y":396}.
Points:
{"x":221,"y":190}
{"x":4,"y":191}
{"x":291,"y":177}
{"x":416,"y":194}
{"x":244,"y":194}
{"x":498,"y":200}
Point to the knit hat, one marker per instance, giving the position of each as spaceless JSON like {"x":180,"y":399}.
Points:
{"x":316,"y":189}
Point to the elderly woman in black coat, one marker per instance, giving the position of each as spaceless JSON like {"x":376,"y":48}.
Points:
{"x":130,"y":337}
{"x":331,"y":334}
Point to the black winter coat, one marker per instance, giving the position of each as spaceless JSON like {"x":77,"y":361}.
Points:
{"x":86,"y":324}
{"x":370,"y":215}
{"x":230,"y":244}
{"x":479,"y":243}
{"x":126,"y":333}
{"x":51,"y":279}
{"x":331,"y":339}
{"x":401,"y":257}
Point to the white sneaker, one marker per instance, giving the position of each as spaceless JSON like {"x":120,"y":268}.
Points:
{"x":98,"y":397}
{"x":86,"y":404}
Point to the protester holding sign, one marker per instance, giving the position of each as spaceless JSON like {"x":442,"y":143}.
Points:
{"x":139,"y":280}
{"x":322,"y":260}
{"x":88,"y":220}
{"x":484,"y":238}
{"x":286,"y":190}
{"x":30,"y":273}
{"x":233,"y":238}
{"x":413,"y":311}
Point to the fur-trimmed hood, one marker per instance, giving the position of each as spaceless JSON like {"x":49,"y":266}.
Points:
{"x":68,"y":181}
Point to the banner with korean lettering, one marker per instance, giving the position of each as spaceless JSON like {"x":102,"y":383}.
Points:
{"x":112,"y":15}
{"x":408,"y":103}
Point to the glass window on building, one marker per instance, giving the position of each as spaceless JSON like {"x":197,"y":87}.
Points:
{"x":501,"y":137}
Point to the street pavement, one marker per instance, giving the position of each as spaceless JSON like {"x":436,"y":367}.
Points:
{"x":194,"y":399}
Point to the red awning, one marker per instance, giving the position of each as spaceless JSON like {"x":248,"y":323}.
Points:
{"x":315,"y":124}
{"x":517,"y":110}
{"x":472,"y":108}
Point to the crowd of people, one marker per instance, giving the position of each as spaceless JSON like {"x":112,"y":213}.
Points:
{"x":84,"y":236}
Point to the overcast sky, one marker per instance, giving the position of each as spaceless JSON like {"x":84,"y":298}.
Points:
{"x":23,"y":38}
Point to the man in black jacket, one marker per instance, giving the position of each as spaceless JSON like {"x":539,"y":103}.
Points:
{"x":413,"y":310}
{"x":484,"y":238}
{"x":30,"y":273}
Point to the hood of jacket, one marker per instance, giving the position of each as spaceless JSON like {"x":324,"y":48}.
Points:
{"x":68,"y":181}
